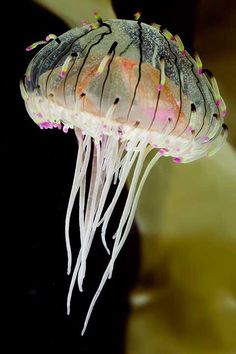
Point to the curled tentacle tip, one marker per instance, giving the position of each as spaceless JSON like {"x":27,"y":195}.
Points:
{"x":34,"y":45}
{"x":50,"y":36}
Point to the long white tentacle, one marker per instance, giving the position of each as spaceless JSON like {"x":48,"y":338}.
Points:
{"x":121,"y":240}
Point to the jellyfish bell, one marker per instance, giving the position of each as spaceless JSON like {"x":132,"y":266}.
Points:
{"x":126,"y":88}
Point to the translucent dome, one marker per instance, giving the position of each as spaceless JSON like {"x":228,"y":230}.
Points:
{"x":129,"y":79}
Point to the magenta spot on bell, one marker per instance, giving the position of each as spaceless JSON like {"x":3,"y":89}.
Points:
{"x":159,"y":87}
{"x":190,"y":130}
{"x":62,"y":74}
{"x":177,"y":159}
{"x":205,"y":139}
{"x":223,"y":113}
{"x":200,"y":71}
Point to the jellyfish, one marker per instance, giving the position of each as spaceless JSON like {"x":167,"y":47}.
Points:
{"x":127,"y":89}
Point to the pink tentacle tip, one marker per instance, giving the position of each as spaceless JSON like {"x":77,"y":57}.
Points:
{"x":205,"y":139}
{"x":84,"y":22}
{"x":223,"y":113}
{"x":163,"y":151}
{"x":65,"y":129}
{"x":218,"y":102}
{"x":183,"y":53}
{"x":177,"y":159}
{"x":45,"y":125}
{"x":29,"y":48}
{"x":50,"y":37}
